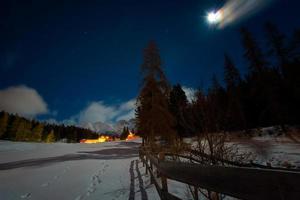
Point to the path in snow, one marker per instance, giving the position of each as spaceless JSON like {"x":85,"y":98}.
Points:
{"x":131,"y":193}
{"x":105,"y":154}
{"x":141,"y":182}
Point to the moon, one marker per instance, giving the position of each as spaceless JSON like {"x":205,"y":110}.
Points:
{"x":214,"y":17}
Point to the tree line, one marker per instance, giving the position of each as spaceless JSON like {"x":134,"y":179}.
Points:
{"x":14,"y":127}
{"x":268,"y":94}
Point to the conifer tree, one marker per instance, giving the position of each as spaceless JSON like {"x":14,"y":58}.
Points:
{"x":232,"y":76}
{"x":263,"y":82}
{"x":235,"y":119}
{"x":4,"y":119}
{"x":50,"y":137}
{"x":215,"y":107}
{"x":13,"y":127}
{"x":253,"y":52}
{"x":293,"y":78}
{"x":37,"y":132}
{"x":153,"y":117}
{"x":278,"y":47}
{"x":178,"y":105}
{"x":257,"y":85}
{"x":198,"y":112}
{"x":124,"y":133}
{"x":21,"y":132}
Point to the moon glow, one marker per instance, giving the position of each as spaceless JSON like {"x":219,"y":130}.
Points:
{"x":214,"y":17}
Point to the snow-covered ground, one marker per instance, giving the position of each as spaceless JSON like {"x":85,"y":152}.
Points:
{"x":71,"y":171}
{"x":279,"y":151}
{"x":109,"y":170}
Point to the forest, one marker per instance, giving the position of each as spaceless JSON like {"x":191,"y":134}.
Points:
{"x":16,"y":128}
{"x":268,"y":94}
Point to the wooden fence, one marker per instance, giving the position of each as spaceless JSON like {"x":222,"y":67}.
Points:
{"x":240,"y":182}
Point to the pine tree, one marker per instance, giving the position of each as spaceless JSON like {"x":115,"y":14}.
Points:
{"x":253,"y":53}
{"x":13,"y":126}
{"x":4,"y":119}
{"x":263,"y":81}
{"x":294,"y":45}
{"x":197,"y":111}
{"x":37,"y":132}
{"x":232,"y":76}
{"x":235,"y":119}
{"x":50,"y":137}
{"x":21,"y":132}
{"x":257,"y":85}
{"x":278,"y":47}
{"x":124,"y":133}
{"x":215,"y":107}
{"x":178,"y":104}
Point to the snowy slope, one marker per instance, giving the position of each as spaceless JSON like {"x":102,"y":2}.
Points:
{"x":102,"y":127}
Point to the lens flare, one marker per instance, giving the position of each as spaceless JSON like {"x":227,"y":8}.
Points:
{"x":214,"y":17}
{"x":235,"y":10}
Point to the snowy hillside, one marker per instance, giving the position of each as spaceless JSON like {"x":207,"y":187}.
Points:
{"x":102,"y":127}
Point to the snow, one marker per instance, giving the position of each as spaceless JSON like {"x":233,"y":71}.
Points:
{"x":279,"y":152}
{"x":70,"y":171}
{"x":102,"y":171}
{"x":275,"y":150}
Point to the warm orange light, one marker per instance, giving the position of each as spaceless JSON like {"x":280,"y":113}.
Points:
{"x":93,"y":141}
{"x":131,"y":136}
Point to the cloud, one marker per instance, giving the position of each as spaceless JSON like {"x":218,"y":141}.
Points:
{"x":51,"y":121}
{"x":234,"y":11}
{"x":22,"y":100}
{"x":189,"y":92}
{"x":99,"y":111}
{"x":127,"y":116}
{"x":70,"y":122}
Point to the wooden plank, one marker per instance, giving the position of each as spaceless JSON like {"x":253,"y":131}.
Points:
{"x":163,"y":195}
{"x":244,"y":183}
{"x":164,"y":182}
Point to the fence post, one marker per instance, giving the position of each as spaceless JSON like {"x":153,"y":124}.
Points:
{"x":164,"y":183}
{"x":143,"y":162}
{"x":196,"y":193}
{"x":143,"y":157}
{"x":146,"y":165}
{"x":151,"y":177}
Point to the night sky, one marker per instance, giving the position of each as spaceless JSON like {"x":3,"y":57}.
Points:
{"x":78,"y":54}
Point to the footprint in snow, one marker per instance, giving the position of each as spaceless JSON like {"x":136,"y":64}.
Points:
{"x":25,"y":196}
{"x":45,"y":184}
{"x":93,"y":185}
{"x":79,"y":197}
{"x":56,"y":177}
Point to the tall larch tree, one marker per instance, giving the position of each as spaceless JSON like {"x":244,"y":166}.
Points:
{"x":153,"y":116}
